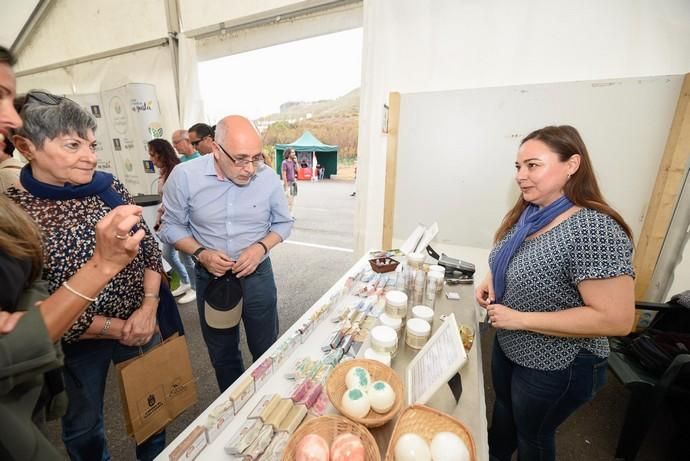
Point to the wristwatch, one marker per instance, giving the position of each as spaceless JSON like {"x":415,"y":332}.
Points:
{"x":195,"y":256}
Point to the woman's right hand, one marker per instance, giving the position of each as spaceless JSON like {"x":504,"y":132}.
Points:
{"x":484,"y":293}
{"x":116,"y":245}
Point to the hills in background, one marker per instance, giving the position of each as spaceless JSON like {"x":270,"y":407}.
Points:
{"x":334,"y":121}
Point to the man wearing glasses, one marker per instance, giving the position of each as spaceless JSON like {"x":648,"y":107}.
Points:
{"x":201,"y":137}
{"x":227,"y":210}
{"x":181,"y":143}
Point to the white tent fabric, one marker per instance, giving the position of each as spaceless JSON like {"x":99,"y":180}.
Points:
{"x":191,"y":104}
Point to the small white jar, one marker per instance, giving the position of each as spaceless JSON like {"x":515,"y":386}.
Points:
{"x":396,"y":304}
{"x":415,"y":260}
{"x":384,"y":340}
{"x":423,"y":312}
{"x":418,"y":332}
{"x":393,"y":322}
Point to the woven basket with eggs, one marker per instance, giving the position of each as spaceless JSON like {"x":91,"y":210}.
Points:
{"x":337,"y":386}
{"x":328,"y":428}
{"x":422,"y":421}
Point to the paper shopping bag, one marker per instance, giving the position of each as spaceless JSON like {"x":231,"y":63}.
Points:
{"x":156,"y":387}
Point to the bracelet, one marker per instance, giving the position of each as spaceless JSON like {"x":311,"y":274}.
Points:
{"x":106,"y":326}
{"x":75,"y":292}
{"x":152,"y":295}
{"x":264,"y":246}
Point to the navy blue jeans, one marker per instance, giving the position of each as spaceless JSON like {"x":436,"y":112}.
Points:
{"x":86,"y":370}
{"x":260,"y":318}
{"x":531,"y":404}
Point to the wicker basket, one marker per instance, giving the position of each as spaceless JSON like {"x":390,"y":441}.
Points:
{"x":382,"y":265}
{"x":329,"y":427}
{"x":336,"y":387}
{"x":427,"y":422}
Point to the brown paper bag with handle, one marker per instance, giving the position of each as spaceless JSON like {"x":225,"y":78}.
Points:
{"x":156,"y":387}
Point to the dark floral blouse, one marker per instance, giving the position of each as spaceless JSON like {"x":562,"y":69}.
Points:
{"x":69,"y":239}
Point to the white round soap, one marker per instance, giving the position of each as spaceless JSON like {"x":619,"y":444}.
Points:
{"x":446,"y":446}
{"x":381,"y":396}
{"x":412,"y":447}
{"x":358,"y":378}
{"x":355,"y":403}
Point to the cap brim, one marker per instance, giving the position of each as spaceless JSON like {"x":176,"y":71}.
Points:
{"x":223,"y":319}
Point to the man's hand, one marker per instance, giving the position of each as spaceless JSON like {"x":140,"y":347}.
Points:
{"x":9,"y":320}
{"x":216,"y":262}
{"x":248,"y":261}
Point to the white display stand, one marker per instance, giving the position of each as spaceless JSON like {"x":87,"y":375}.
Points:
{"x":470,"y":409}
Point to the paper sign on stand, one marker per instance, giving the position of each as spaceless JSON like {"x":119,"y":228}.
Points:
{"x":437,"y":362}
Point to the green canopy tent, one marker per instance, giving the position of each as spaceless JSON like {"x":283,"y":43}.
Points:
{"x":306,"y":147}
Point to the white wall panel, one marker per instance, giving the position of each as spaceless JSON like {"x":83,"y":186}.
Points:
{"x":414,"y":45}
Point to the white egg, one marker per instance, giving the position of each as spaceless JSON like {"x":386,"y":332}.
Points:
{"x":357,"y":378}
{"x":446,"y":446}
{"x":411,"y":447}
{"x":355,"y":403}
{"x":381,"y":396}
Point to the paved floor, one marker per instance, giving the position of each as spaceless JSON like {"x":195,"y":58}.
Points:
{"x":316,"y":255}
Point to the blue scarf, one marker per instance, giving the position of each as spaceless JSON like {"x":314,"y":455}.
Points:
{"x":531,"y":220}
{"x":100,"y":185}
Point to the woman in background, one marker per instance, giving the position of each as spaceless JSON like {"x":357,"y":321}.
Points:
{"x":561,"y":280}
{"x":163,"y":156}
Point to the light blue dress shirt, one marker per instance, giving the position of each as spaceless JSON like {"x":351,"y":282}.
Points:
{"x":219,"y":214}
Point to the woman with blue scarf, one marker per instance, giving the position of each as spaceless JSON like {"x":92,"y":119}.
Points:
{"x":561,"y":281}
{"x":65,"y":195}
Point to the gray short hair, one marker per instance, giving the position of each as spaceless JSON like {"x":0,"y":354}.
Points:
{"x":43,"y":121}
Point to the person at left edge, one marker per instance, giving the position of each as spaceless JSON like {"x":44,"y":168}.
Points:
{"x":228,"y":211}
{"x":66,"y":197}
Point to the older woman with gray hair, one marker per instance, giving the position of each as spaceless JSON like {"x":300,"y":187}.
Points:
{"x":62,"y":191}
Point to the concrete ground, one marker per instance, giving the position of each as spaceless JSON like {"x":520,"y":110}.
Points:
{"x":316,"y":256}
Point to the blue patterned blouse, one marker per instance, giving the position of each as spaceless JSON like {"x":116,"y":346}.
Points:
{"x":543,"y":277}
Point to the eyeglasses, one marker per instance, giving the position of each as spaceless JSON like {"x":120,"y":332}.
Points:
{"x":257,"y":160}
{"x":196,"y":143}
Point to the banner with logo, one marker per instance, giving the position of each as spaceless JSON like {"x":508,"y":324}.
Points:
{"x":132,"y":116}
{"x":145,"y":118}
{"x":104,"y":151}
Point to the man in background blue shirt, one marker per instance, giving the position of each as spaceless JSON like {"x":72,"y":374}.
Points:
{"x":228,"y":210}
{"x":181,"y":143}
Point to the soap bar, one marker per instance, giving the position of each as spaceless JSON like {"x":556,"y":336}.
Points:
{"x":191,"y":446}
{"x":275,"y":450}
{"x":244,"y":437}
{"x":265,"y":407}
{"x":262,"y":373}
{"x":242,"y":393}
{"x":260,"y":444}
{"x":281,"y":411}
{"x":218,"y":419}
{"x":293,"y":419}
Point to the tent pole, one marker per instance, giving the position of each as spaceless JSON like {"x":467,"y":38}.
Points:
{"x":172,"y":14}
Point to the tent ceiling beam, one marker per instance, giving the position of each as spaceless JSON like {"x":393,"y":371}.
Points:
{"x":97,"y":56}
{"x":266,"y":17}
{"x":38,"y":14}
{"x":172,"y":14}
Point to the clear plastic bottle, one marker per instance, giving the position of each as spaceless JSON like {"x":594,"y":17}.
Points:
{"x":434,"y":286}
